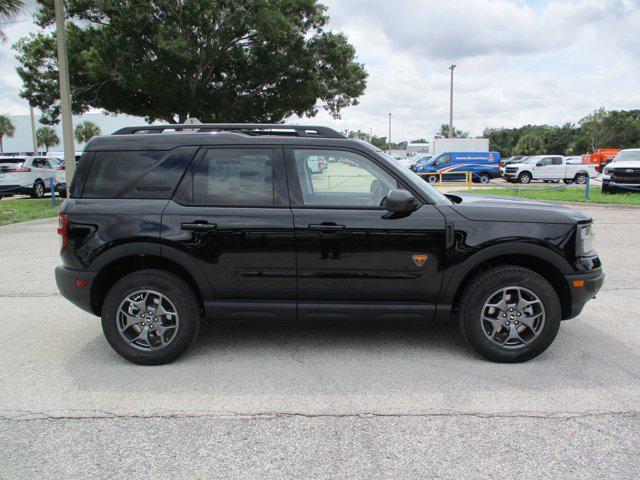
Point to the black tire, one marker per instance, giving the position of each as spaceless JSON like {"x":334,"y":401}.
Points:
{"x":580,"y":178}
{"x":63,"y":192}
{"x":525,"y":178}
{"x":484,"y":178}
{"x":174,"y":288}
{"x":432,"y":179}
{"x":479,"y":291}
{"x":38,"y":189}
{"x":605,"y":188}
{"x":567,"y":181}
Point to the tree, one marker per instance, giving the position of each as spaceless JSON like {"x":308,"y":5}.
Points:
{"x":9,"y":9}
{"x":529,"y":144}
{"x":610,"y":129}
{"x":85,"y":131}
{"x":217,"y":60}
{"x":47,"y":138}
{"x":444,"y":132}
{"x":6,"y":128}
{"x":420,"y":140}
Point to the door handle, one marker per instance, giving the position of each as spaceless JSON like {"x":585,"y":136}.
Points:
{"x":199,"y":226}
{"x":326,"y":227}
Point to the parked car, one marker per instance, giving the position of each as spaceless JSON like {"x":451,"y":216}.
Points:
{"x":162,"y":230}
{"x":29,"y":175}
{"x":317,"y":164}
{"x":483,"y":166}
{"x":549,"y":168}
{"x":623,"y":173}
{"x":418,"y":159}
{"x":514,"y":159}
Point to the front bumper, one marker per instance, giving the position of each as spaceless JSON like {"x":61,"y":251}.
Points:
{"x":75,"y":286}
{"x":583,"y":287}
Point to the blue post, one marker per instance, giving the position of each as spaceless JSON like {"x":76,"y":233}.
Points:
{"x":53,"y":192}
{"x":587,"y":190}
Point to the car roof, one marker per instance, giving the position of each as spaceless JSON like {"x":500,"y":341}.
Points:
{"x":159,"y":137}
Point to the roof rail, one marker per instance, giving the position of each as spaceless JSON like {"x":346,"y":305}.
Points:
{"x":248,"y":128}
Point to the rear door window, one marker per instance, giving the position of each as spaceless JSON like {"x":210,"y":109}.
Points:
{"x":233,"y":176}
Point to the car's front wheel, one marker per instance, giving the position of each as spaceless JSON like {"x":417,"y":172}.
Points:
{"x":509,"y":314}
{"x":525,"y":178}
{"x":150,"y":317}
{"x":432,"y":179}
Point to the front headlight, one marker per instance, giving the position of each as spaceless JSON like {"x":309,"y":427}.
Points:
{"x":606,"y":171}
{"x":584,"y":239}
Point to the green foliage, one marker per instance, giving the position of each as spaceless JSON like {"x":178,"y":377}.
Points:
{"x":217,"y":60}
{"x":601,"y":129}
{"x":47,"y":138}
{"x":85,"y":131}
{"x":444,"y":132}
{"x":568,"y":194}
{"x":9,"y":9}
{"x":6,"y":128}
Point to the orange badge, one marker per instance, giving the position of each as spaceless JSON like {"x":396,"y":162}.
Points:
{"x":419,"y":259}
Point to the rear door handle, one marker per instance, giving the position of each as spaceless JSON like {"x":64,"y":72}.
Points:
{"x":326,"y":228}
{"x":199,"y":226}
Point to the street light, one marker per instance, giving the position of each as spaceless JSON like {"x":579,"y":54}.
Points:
{"x":451,"y":103}
{"x":389,"y":143}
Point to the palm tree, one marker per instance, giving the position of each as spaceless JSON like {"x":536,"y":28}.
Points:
{"x":86,"y":130}
{"x":8,"y":11}
{"x":6,"y":128}
{"x":47,"y":137}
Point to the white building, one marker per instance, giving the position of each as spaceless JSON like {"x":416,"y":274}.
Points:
{"x":22,"y":143}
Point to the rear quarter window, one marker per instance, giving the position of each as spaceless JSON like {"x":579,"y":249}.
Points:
{"x":136,"y":174}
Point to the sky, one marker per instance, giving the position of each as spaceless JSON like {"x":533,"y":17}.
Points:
{"x":518,"y":62}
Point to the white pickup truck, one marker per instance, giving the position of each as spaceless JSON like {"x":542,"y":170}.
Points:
{"x":549,"y":168}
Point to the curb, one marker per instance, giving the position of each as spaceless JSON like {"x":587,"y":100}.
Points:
{"x":30,"y":222}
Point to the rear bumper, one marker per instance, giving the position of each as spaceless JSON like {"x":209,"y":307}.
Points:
{"x":583,"y":287}
{"x":10,"y":189}
{"x":75,"y":286}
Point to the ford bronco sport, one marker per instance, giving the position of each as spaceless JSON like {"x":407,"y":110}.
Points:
{"x":168,"y":225}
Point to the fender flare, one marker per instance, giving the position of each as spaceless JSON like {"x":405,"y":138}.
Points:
{"x":530,"y":250}
{"x":158,"y":250}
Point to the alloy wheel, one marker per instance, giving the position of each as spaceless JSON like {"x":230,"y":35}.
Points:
{"x":147,"y":320}
{"x":512,"y":317}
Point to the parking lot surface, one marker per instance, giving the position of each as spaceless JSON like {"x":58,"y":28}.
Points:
{"x":322,"y":400}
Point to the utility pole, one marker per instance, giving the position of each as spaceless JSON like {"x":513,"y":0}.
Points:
{"x":389,"y":142}
{"x":451,"y":103}
{"x":33,"y":131}
{"x":65,"y":94}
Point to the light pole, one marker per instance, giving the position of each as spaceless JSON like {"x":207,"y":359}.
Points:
{"x":451,"y":103}
{"x":65,"y":95}
{"x":33,"y":130}
{"x":389,"y":143}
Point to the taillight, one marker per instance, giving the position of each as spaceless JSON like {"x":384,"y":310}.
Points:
{"x":19,"y":170}
{"x":63,"y":230}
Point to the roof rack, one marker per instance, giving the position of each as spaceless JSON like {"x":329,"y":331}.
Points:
{"x":247,"y":128}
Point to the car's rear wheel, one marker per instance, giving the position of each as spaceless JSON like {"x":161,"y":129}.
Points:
{"x":524,"y":177}
{"x":150,"y":317}
{"x":484,"y":178}
{"x":38,"y":189}
{"x":509,"y":314}
{"x":580,"y":178}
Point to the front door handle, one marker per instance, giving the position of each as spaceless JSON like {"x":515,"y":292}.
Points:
{"x":326,"y":227}
{"x":199,"y":226}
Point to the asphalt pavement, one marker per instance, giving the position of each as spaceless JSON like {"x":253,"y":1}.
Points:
{"x":321,"y":400}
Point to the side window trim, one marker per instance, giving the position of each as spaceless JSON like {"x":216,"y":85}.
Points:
{"x":280,"y":191}
{"x":295,"y":192}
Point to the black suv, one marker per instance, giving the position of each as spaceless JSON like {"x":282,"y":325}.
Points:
{"x":167,"y":225}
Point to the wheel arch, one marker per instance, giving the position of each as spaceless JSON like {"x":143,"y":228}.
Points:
{"x":127,"y":260}
{"x":551,"y":266}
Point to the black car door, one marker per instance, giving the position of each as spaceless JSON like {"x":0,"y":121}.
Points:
{"x":231,"y":214}
{"x":354,"y":258}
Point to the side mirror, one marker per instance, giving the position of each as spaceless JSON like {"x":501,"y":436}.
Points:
{"x":540,"y":163}
{"x":400,"y":201}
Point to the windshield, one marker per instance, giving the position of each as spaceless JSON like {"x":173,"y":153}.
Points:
{"x":627,"y":156}
{"x":530,"y":160}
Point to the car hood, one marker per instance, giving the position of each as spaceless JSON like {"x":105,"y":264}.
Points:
{"x":621,"y":165}
{"x":495,"y":208}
